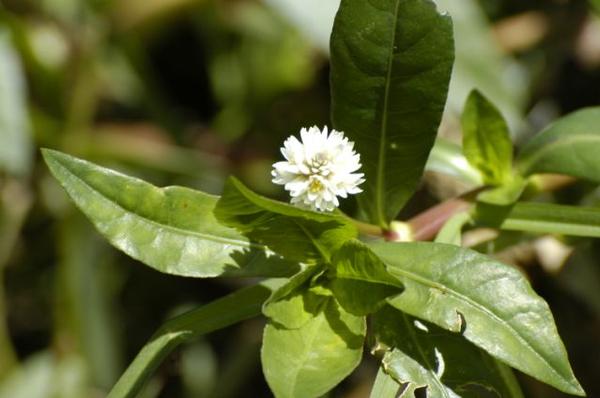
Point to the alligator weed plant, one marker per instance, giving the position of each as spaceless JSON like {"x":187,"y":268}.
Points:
{"x":443,"y":320}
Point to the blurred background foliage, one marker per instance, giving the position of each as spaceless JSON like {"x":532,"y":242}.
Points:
{"x":189,"y":91}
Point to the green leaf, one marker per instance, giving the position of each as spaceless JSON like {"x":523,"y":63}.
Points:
{"x":447,"y":158}
{"x":279,"y":307}
{"x":15,"y":140}
{"x":568,"y":146}
{"x":390,"y":69}
{"x":506,"y":194}
{"x":236,"y":307}
{"x":425,"y":355}
{"x":310,"y":360}
{"x":361,"y":282}
{"x":385,"y":386}
{"x":297,"y":234}
{"x":171,"y":229}
{"x":490,"y":303}
{"x":451,"y":232}
{"x":542,"y":218}
{"x":486,"y":140}
{"x":294,"y":283}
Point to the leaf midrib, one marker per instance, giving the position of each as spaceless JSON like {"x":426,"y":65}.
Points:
{"x":316,"y":326}
{"x":481,"y":308}
{"x":380,"y":188}
{"x":179,"y":231}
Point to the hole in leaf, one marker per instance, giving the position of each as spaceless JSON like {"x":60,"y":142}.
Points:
{"x":461,"y":322}
{"x":421,"y":392}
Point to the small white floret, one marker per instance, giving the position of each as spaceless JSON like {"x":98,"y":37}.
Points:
{"x":318,"y":168}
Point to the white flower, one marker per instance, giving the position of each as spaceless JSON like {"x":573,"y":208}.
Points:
{"x":318,"y":169}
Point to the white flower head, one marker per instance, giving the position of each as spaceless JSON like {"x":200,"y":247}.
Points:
{"x":318,"y":169}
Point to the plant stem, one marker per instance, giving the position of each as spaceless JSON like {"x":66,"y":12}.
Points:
{"x":426,"y":225}
{"x":367,"y":229}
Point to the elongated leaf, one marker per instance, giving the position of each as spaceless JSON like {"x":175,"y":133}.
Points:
{"x":310,"y":360}
{"x":568,"y":146}
{"x":486,"y":140}
{"x":492,"y":304}
{"x":390,"y":69}
{"x":425,"y":355}
{"x":451,"y":232}
{"x":447,"y":158}
{"x":15,"y":140}
{"x":236,"y":307}
{"x":385,"y":386}
{"x":295,"y":233}
{"x":544,"y":218}
{"x":417,"y":374}
{"x":362,"y":282}
{"x":171,"y":229}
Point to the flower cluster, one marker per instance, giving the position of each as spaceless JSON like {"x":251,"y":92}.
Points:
{"x":318,"y":169}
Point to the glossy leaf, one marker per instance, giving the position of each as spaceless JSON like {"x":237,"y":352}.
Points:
{"x":15,"y":140}
{"x":228,"y":310}
{"x":568,"y":146}
{"x":447,"y":158}
{"x":486,"y":140}
{"x":361,"y":282}
{"x":171,"y":229}
{"x":425,"y":355}
{"x":490,"y":303}
{"x":311,"y":359}
{"x":545,"y":218}
{"x":297,"y":234}
{"x":390,"y":69}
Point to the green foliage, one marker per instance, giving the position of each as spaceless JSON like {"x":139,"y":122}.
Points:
{"x":486,"y":140}
{"x":452,"y":229}
{"x":390,"y":70}
{"x":171,"y":229}
{"x":310,"y":358}
{"x":384,"y":386}
{"x":490,"y":303}
{"x":447,"y":157}
{"x":542,"y":218}
{"x":506,"y":194}
{"x":568,"y":146}
{"x":361,"y":282}
{"x":298,"y":234}
{"x":241,"y":305}
{"x":280,"y":307}
{"x":446,"y":314}
{"x":425,"y":355}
